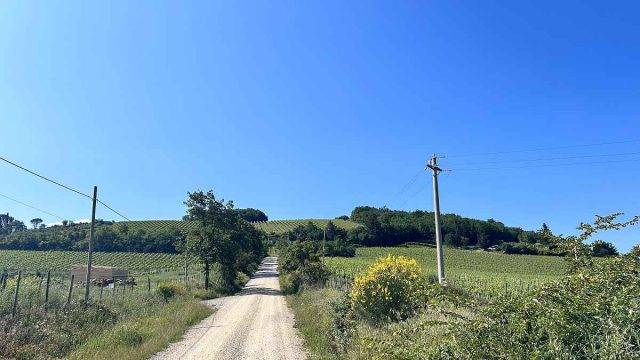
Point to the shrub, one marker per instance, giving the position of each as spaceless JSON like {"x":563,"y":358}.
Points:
{"x":241,"y":279}
{"x":315,"y":273}
{"x":592,"y":314}
{"x":391,"y":288}
{"x":169,"y":290}
{"x":203,"y":294}
{"x":290,"y":282}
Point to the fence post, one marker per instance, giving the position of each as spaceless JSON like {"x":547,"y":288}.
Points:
{"x":113,"y":281}
{"x":15,"y":296}
{"x":70,"y":290}
{"x":101,"y":290}
{"x":148,"y":284}
{"x":46,"y":289}
{"x":2,"y":282}
{"x":40,"y":288}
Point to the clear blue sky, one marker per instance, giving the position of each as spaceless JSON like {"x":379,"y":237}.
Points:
{"x":309,"y":109}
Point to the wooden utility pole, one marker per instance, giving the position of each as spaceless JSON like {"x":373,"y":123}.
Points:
{"x":433,"y":165}
{"x":90,"y":256}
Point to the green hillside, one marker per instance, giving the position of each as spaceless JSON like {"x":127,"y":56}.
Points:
{"x":272,"y":226}
{"x":63,"y":260}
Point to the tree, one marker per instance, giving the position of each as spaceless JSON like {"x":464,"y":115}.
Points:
{"x":343,"y":217}
{"x":35,"y":222}
{"x":252,"y":215}
{"x":330,"y":230}
{"x":578,"y":252}
{"x":601,"y":248}
{"x":221,"y":237}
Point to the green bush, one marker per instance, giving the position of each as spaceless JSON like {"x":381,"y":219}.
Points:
{"x":290,"y":282}
{"x":315,"y":273}
{"x":169,"y":290}
{"x":391,"y":288}
{"x":242,"y":279}
{"x":591,"y":314}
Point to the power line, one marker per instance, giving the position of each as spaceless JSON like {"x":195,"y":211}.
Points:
{"x":31,"y":206}
{"x":110,"y":208}
{"x":405,"y":187}
{"x":61,"y":185}
{"x":546,"y":165}
{"x":546,"y":148}
{"x":45,"y":178}
{"x":550,"y":159}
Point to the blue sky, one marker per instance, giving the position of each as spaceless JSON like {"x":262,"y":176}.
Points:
{"x":309,"y":109}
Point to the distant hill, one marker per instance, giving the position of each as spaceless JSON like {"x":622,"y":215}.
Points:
{"x":270,"y":227}
{"x":156,"y":236}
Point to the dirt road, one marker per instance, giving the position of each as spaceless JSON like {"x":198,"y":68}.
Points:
{"x":255,"y":324}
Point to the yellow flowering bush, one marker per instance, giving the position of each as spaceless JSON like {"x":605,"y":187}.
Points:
{"x":391,"y":288}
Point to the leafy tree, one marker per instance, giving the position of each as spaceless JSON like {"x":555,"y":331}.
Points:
{"x":578,"y":252}
{"x":252,"y":215}
{"x":35,"y":222}
{"x":9,"y":225}
{"x":222,"y":235}
{"x":603,"y":248}
{"x":343,"y":217}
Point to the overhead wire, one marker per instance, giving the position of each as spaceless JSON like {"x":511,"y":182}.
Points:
{"x":545,"y":148}
{"x":546,"y":165}
{"x":69,"y":188}
{"x":31,"y":206}
{"x":548,"y":159}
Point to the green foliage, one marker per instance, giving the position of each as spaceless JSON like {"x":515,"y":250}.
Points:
{"x":63,"y":260}
{"x":299,"y":263}
{"x":295,"y":255}
{"x":222,"y":237}
{"x":487,"y":272}
{"x":315,"y":273}
{"x":593,"y":313}
{"x":282,"y":227}
{"x":391,"y":288}
{"x":290,"y":282}
{"x":600,"y":248}
{"x":252,"y":215}
{"x":392,"y":227}
{"x":171,"y":289}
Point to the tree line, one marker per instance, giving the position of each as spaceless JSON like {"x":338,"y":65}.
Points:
{"x":385,"y":227}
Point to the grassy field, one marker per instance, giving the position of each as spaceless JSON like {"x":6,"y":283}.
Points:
{"x":476,"y":270}
{"x":63,"y":260}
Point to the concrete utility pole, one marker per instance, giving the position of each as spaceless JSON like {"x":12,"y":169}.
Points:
{"x":90,"y":257}
{"x":433,"y":165}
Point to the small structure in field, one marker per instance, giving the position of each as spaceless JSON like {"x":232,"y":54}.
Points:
{"x":79,"y":272}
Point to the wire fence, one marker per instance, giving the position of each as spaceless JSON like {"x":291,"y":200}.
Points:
{"x":26,"y":290}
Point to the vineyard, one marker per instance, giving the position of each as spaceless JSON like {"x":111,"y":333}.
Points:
{"x":475,"y":270}
{"x":63,"y":260}
{"x":272,"y":226}
{"x":283,"y":226}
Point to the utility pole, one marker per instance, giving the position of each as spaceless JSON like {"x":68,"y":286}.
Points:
{"x":90,"y":257}
{"x":433,"y":165}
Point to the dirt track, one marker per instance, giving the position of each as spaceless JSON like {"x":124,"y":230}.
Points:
{"x":255,"y":324}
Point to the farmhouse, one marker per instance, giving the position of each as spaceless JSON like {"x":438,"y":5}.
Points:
{"x":79,"y":272}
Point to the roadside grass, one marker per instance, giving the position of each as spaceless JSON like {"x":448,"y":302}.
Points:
{"x":414,"y":338}
{"x":141,"y":336}
{"x":313,"y":315}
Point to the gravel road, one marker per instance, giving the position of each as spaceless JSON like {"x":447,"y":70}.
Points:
{"x":254,"y":324}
